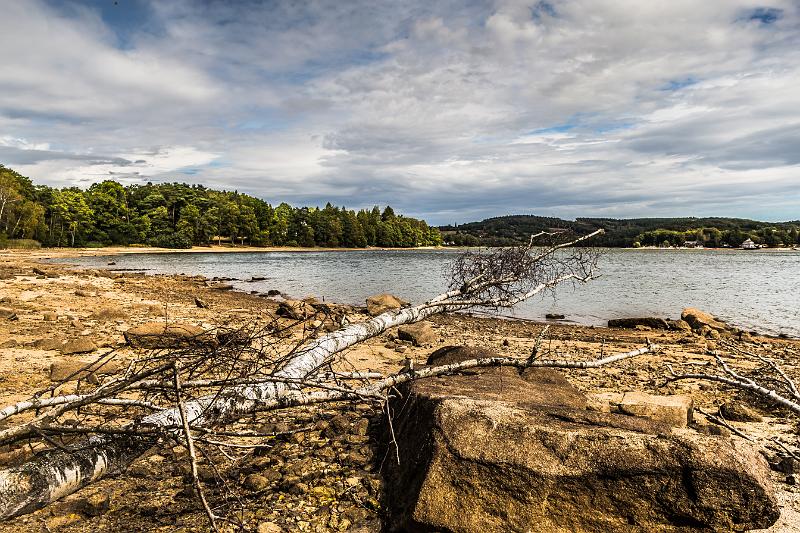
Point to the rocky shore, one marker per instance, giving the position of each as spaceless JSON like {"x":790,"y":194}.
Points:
{"x":331,"y":475}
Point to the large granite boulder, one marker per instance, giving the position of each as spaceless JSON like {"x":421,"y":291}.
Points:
{"x":166,"y":335}
{"x":698,"y":319}
{"x":380,"y":303}
{"x":493,"y":450}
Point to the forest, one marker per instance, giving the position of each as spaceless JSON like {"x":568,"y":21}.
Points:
{"x":711,"y":232}
{"x":177,"y":215}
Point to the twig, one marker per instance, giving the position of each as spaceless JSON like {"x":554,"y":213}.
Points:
{"x":723,"y":423}
{"x":777,"y":441}
{"x":190,"y":446}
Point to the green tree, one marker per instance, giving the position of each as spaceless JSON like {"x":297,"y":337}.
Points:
{"x":73,"y":212}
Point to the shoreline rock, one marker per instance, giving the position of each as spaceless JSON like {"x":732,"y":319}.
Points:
{"x":493,"y":452}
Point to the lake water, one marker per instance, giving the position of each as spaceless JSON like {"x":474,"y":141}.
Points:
{"x":755,"y":290}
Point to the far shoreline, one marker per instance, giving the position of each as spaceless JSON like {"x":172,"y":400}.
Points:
{"x":66,"y":252}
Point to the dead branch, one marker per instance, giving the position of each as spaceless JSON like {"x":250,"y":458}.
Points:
{"x":736,"y":380}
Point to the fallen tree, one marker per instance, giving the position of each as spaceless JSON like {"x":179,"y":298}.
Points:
{"x":241,"y":378}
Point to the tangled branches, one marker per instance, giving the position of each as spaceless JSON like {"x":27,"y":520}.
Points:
{"x":504,"y":277}
{"x":209,"y":388}
{"x":766,"y":380}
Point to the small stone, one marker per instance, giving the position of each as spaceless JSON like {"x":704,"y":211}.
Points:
{"x":255,"y":482}
{"x":49,"y":316}
{"x":361,"y":427}
{"x":269,"y":527}
{"x":788,"y":465}
{"x":139,"y":470}
{"x":322,"y":492}
{"x":200,"y":303}
{"x":674,"y":410}
{"x":400,"y":349}
{"x":792,"y":479}
{"x":738,"y":412}
{"x":94,"y":505}
{"x":10,"y":343}
{"x":420,"y":333}
{"x":8,"y":314}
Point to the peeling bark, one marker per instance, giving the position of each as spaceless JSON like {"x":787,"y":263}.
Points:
{"x":54,"y":474}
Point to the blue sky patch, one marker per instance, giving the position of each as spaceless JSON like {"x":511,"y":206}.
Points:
{"x":765,"y":15}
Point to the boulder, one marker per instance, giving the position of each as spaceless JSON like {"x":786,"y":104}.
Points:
{"x":163,"y":335}
{"x":380,"y":303}
{"x":9,"y":343}
{"x":49,"y":316}
{"x":7,"y":313}
{"x":675,"y":410}
{"x":419,"y":333}
{"x":296,"y":309}
{"x":78,"y":345}
{"x":697,"y":319}
{"x":631,"y":323}
{"x":551,"y":387}
{"x":679,"y":325}
{"x":63,"y":369}
{"x":495,"y":453}
{"x":48,"y":343}
{"x":110,"y":311}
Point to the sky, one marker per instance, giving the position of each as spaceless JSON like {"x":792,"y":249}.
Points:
{"x":451,"y":111}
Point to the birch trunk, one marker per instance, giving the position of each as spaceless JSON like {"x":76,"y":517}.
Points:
{"x":58,"y":473}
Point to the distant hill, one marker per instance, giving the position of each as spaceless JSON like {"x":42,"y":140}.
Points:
{"x":710,"y":232}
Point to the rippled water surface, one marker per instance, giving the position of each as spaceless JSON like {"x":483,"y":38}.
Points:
{"x":752,"y":289}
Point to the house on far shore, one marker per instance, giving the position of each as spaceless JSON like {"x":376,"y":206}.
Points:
{"x":693,"y":244}
{"x":749,"y":245}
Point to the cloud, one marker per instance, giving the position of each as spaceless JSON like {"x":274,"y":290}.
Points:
{"x":451,"y":111}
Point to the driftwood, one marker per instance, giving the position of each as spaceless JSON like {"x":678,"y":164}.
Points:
{"x":188,"y":392}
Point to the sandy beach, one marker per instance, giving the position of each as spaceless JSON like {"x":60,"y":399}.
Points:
{"x":54,"y":305}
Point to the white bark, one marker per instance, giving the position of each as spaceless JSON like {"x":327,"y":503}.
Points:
{"x":60,"y":473}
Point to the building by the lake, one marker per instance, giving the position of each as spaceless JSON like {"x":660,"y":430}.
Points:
{"x":749,"y":245}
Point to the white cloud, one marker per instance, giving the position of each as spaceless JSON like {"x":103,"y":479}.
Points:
{"x":452,"y":111}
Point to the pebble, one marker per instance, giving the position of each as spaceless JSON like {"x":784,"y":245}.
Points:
{"x":256,"y":482}
{"x":269,"y":527}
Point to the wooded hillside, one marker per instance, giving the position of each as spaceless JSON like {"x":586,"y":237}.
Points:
{"x":711,"y":232}
{"x":177,"y":215}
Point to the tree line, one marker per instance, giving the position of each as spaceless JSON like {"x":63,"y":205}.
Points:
{"x":178,"y":215}
{"x":716,"y":238}
{"x":712,"y":232}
